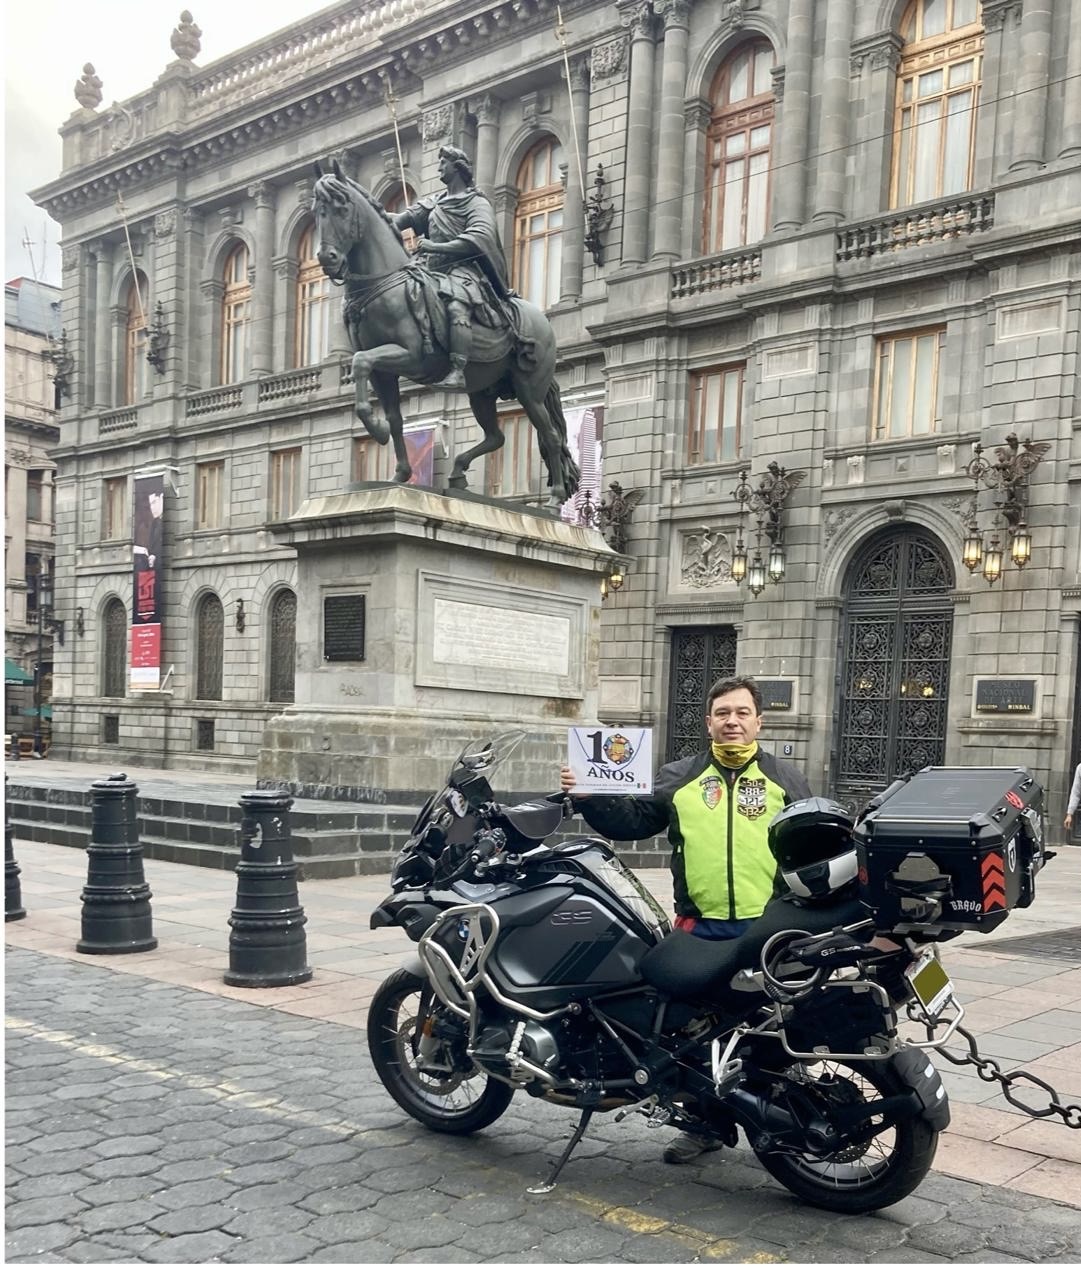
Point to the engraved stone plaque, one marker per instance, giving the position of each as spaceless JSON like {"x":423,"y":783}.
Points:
{"x":491,"y":636}
{"x":343,"y":629}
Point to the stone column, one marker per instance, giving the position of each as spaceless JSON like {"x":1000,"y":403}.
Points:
{"x":670,"y":137}
{"x":1031,"y":101}
{"x":487,"y":110}
{"x":574,"y":217}
{"x":103,"y":277}
{"x":1071,"y":90}
{"x":637,"y":183}
{"x":997,"y":108}
{"x":791,"y":130}
{"x":262,"y":345}
{"x":833,"y":132}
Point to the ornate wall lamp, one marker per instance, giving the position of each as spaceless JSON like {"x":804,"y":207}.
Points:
{"x":158,"y":340}
{"x":62,"y":362}
{"x":766,"y":502}
{"x":598,"y":217}
{"x":241,"y":619}
{"x":1007,"y":478}
{"x":611,"y":518}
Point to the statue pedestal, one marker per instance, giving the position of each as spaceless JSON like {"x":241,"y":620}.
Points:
{"x":424,"y":621}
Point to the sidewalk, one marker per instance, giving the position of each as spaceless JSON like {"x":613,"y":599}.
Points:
{"x":1024,"y":1010}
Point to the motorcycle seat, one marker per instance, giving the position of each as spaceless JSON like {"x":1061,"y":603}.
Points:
{"x":686,"y":967}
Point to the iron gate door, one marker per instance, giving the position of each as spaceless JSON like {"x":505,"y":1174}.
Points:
{"x":700,"y":656}
{"x":895,"y":662}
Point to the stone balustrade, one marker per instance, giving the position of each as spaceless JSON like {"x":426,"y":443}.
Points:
{"x":118,"y":421}
{"x":915,"y":227}
{"x":212,"y":401}
{"x":712,"y":273}
{"x":290,"y":385}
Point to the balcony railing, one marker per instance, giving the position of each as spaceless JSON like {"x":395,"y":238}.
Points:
{"x":211,"y":401}
{"x":915,"y":227}
{"x":117,"y":421}
{"x":712,"y":273}
{"x":292,"y":384}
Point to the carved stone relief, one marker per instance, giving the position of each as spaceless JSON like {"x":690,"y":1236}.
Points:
{"x":706,"y":557}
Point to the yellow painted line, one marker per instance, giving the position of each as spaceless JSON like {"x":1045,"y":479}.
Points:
{"x":626,"y":1218}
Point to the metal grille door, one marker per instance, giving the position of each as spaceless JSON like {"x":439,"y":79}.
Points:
{"x":114,"y":630}
{"x":209,"y":648}
{"x":283,"y":646}
{"x":894,"y":678}
{"x":700,"y":656}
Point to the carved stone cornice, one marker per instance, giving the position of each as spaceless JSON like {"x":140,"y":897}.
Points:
{"x":609,"y":59}
{"x":879,"y":51}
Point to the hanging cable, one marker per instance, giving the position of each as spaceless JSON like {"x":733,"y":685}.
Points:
{"x":561,"y":36}
{"x":122,"y":210}
{"x":392,"y":106}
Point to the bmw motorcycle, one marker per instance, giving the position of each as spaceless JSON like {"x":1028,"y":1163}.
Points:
{"x":548,"y":968}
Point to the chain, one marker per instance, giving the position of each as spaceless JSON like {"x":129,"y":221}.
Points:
{"x":991,"y":1072}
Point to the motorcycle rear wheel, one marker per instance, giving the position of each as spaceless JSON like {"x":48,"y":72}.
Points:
{"x":874,"y":1173}
{"x":458,"y":1103}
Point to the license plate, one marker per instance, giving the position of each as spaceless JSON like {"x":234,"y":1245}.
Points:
{"x":930,"y":984}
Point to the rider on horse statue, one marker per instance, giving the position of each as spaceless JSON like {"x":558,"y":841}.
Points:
{"x":461,"y":242}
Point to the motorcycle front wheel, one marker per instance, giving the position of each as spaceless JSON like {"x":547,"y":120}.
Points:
{"x":403,"y":1010}
{"x":877,"y":1168}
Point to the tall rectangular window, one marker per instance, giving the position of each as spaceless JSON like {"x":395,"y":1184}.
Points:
{"x":907,"y":388}
{"x":313,"y":305}
{"x":514,"y":469}
{"x":114,"y":508}
{"x":716,"y":415}
{"x":35,"y":501}
{"x":208,"y":489}
{"x":284,"y":483}
{"x":236,"y":317}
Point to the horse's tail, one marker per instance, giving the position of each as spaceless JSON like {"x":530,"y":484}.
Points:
{"x":570,"y":471}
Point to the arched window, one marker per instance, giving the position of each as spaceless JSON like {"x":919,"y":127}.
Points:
{"x":236,"y":317}
{"x":283,"y":646}
{"x":135,"y":363}
{"x":938,"y":92}
{"x":209,"y":641}
{"x":313,"y":304}
{"x":114,"y":649}
{"x":738,"y":149}
{"x":400,"y":198}
{"x":538,"y":224}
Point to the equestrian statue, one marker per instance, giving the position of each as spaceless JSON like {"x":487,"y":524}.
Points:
{"x":445,"y":314}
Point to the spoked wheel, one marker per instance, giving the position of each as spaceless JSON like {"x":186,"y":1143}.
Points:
{"x":878,"y":1165}
{"x":443,"y":1089}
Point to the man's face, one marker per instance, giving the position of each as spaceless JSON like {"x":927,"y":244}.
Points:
{"x":733,"y":718}
{"x":156,"y":504}
{"x":446,"y":169}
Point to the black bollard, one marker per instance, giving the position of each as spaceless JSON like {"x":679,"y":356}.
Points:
{"x":267,"y":946}
{"x":116,"y":900}
{"x":13,"y":894}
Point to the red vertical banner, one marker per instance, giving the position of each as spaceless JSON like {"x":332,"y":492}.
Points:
{"x":148,"y":508}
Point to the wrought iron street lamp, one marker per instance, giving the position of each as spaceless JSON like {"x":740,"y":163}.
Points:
{"x":1007,"y":478}
{"x":766,"y":502}
{"x":992,"y":561}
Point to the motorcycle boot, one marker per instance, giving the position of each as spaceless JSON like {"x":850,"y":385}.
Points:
{"x":688,"y":1146}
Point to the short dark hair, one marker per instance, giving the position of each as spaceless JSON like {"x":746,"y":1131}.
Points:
{"x":729,"y":683}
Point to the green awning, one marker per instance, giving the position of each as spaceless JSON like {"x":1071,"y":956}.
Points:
{"x":46,"y":711}
{"x":14,"y":675}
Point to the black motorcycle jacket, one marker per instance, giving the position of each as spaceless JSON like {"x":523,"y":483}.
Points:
{"x":717,"y":821}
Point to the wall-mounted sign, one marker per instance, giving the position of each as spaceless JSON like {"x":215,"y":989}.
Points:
{"x":343,"y":629}
{"x":776,"y":695}
{"x":1005,"y":695}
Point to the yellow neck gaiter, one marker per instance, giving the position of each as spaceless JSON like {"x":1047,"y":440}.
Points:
{"x":734,"y":755}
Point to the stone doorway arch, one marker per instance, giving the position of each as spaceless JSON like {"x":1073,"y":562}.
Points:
{"x":892,"y":705}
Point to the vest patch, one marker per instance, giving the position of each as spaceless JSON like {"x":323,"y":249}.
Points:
{"x":751,"y":797}
{"x":711,"y":791}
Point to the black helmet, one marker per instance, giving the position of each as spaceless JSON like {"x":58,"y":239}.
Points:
{"x":812,"y":842}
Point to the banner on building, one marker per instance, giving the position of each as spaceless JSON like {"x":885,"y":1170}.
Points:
{"x":584,"y":429}
{"x":148,"y":576}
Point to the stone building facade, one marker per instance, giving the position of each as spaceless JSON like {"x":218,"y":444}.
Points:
{"x":31,"y":317}
{"x":842,"y":238}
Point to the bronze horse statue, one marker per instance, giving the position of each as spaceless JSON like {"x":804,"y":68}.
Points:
{"x":397,"y":324}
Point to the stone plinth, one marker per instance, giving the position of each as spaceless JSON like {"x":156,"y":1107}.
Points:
{"x":424,"y":621}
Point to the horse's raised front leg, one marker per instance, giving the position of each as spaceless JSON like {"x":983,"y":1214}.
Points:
{"x":483,"y":406}
{"x":385,"y":384}
{"x":394,"y":358}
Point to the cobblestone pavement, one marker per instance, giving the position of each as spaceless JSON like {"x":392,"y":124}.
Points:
{"x":155,"y":1123}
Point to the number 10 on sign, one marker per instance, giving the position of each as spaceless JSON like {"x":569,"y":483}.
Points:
{"x":611,"y":761}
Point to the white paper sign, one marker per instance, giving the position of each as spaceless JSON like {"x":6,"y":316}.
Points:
{"x":608,"y":760}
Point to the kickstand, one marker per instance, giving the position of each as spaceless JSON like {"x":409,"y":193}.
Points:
{"x":579,"y":1132}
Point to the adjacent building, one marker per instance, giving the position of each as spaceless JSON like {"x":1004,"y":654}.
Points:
{"x":31,"y":332}
{"x":842,"y":239}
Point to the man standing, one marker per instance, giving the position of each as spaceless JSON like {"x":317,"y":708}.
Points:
{"x":716,"y":807}
{"x":1074,"y":801}
{"x":463,"y":246}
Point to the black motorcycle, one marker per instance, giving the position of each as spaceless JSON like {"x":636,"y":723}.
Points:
{"x":550,"y":968}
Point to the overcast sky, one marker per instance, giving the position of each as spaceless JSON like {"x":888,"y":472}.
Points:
{"x":46,"y":44}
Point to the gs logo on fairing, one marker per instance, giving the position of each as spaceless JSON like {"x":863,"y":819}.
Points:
{"x":751,"y":797}
{"x":618,"y":749}
{"x":711,"y":791}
